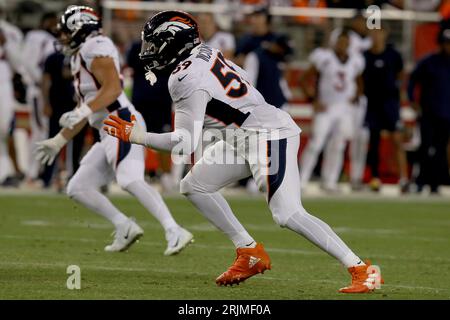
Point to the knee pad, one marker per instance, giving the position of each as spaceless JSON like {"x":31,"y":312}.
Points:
{"x":186,"y":185}
{"x":281,"y":217}
{"x":125,"y":182}
{"x":73,"y":187}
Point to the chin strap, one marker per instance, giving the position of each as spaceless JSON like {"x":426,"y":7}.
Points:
{"x":150,"y":76}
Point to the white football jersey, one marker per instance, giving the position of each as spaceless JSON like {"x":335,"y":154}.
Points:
{"x":86,"y":85}
{"x":235,"y":102}
{"x":10,"y":52}
{"x":337,"y":80}
{"x":38,"y":45}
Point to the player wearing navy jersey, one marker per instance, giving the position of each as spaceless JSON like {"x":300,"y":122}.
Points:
{"x":259,"y":140}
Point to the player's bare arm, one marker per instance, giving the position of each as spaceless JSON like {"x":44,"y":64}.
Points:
{"x":104,"y":71}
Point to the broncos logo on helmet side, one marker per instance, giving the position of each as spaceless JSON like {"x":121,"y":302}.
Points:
{"x":172,"y":27}
{"x":79,"y":19}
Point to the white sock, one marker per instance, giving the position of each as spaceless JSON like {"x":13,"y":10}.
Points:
{"x":351,"y":260}
{"x":97,"y":202}
{"x":153,"y":202}
{"x":319,"y":233}
{"x":215,"y":208}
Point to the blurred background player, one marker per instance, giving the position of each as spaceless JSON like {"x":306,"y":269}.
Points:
{"x":265,"y":68}
{"x":360,"y":41}
{"x":339,"y":86}
{"x":260,"y":24}
{"x":214,"y":37}
{"x":382,"y":77}
{"x":96,"y":70}
{"x":432,"y":77}
{"x":10,"y":62}
{"x":38,"y":45}
{"x":59,"y":97}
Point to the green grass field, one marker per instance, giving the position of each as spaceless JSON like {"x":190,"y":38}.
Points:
{"x":41,"y":235}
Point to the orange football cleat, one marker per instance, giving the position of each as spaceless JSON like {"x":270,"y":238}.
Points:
{"x":249,"y":261}
{"x":364,"y":279}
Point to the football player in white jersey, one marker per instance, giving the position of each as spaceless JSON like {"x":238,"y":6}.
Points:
{"x":38,"y":45}
{"x":261,"y":141}
{"x":10,"y":60}
{"x":338,"y":89}
{"x":96,"y":70}
{"x":360,"y":42}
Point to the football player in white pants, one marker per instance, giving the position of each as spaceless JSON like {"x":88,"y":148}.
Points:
{"x":96,"y":70}
{"x":360,"y":41}
{"x":38,"y":45}
{"x":261,"y":141}
{"x":338,"y":89}
{"x":10,"y":60}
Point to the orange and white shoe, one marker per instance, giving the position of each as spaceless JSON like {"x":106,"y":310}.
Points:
{"x":364,"y":279}
{"x":248,"y":262}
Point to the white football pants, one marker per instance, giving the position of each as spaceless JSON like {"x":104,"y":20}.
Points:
{"x":113,"y":159}
{"x":276,"y":173}
{"x":330,"y":129}
{"x":6,"y":117}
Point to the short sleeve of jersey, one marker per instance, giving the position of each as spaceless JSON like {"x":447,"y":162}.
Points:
{"x":317,"y":58}
{"x":97,"y":47}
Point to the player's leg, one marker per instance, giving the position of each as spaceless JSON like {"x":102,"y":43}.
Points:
{"x":83,"y":187}
{"x":129,"y":165}
{"x":320,"y":130}
{"x":284,"y":200}
{"x":334,"y":150}
{"x":6,"y":116}
{"x":39,"y":129}
{"x":201,"y":187}
{"x":205,"y":179}
{"x":373,"y":158}
{"x":358,"y":145}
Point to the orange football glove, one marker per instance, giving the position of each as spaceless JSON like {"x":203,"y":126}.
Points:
{"x":119,"y":128}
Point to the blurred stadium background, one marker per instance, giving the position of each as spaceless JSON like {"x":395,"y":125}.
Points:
{"x":42,"y":232}
{"x":413,"y":26}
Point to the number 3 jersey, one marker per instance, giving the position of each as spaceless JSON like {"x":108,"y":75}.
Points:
{"x":86,"y":85}
{"x":234,"y":102}
{"x":337,"y":80}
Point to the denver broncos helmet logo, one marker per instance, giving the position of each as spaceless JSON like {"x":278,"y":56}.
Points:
{"x":79,"y":18}
{"x":174,"y":25}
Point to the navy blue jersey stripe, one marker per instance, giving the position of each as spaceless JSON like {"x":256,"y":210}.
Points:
{"x":276,"y":156}
{"x":225,"y":113}
{"x":114,"y":106}
{"x":124,"y":147}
